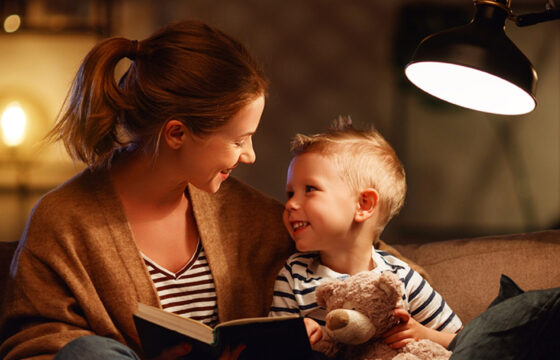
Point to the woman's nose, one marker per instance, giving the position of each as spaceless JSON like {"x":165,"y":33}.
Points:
{"x":248,"y":155}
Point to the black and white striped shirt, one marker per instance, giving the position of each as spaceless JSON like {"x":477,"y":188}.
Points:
{"x":294,"y":290}
{"x":190,"y":292}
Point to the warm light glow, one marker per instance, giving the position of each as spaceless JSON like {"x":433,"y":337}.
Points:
{"x":470,"y":88}
{"x":13,"y":125}
{"x":12,"y":23}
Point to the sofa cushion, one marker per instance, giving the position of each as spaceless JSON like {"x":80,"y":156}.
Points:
{"x":517,"y":325}
{"x":466,"y":272}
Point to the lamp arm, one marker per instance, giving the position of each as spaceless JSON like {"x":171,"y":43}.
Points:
{"x":535,"y":18}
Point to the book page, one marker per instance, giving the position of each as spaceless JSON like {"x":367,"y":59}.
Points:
{"x":255,"y":320}
{"x":182,"y":325}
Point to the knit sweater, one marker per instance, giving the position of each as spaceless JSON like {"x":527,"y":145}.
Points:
{"x":77,"y":270}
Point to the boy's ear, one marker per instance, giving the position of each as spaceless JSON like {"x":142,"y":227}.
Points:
{"x":174,"y":134}
{"x":367,"y":204}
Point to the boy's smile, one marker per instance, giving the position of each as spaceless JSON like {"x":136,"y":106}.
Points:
{"x":298,"y":226}
{"x":320,"y":208}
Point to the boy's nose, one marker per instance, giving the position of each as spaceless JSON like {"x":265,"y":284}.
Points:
{"x":291,"y":204}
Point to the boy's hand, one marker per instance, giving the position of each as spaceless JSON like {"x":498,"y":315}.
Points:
{"x":314,"y":332}
{"x":410,"y":330}
{"x":407,"y":331}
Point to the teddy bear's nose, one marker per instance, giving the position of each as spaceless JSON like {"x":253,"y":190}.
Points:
{"x":337,"y":319}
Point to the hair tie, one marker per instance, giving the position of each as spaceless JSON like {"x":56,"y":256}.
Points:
{"x":133,"y":50}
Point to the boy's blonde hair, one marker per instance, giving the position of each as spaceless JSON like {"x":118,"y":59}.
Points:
{"x":365,"y":160}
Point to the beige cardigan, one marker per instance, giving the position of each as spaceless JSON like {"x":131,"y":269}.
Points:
{"x":77,"y":270}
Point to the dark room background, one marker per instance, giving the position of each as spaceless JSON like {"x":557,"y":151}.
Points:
{"x":468,"y":173}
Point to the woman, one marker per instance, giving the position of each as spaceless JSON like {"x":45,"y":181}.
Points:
{"x":158,"y":148}
{"x":152,"y":209}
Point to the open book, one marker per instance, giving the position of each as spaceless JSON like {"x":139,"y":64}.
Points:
{"x":265,"y":337}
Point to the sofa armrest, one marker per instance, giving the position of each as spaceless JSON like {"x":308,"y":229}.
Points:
{"x":466,"y":272}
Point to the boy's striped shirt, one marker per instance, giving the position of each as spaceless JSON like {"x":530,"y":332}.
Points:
{"x":294,"y":290}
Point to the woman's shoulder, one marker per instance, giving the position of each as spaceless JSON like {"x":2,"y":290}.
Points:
{"x":72,"y":199}
{"x":74,"y":190}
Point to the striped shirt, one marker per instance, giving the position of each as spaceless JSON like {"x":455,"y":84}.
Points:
{"x":294,"y":290}
{"x":190,"y":292}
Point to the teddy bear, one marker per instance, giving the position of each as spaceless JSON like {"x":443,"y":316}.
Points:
{"x":359,"y":310}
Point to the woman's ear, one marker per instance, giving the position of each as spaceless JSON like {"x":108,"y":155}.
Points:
{"x":174,"y":134}
{"x":367,"y":204}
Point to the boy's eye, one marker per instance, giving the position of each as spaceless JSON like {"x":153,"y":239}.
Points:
{"x":289,"y":194}
{"x":309,"y":188}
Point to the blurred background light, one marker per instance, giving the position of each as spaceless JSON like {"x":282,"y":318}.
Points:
{"x":12,"y":23}
{"x":13,"y":125}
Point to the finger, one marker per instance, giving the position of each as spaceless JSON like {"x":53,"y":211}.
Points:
{"x":394,"y":330}
{"x":401,"y":343}
{"x":315,"y":335}
{"x":398,"y":337}
{"x":402,"y":314}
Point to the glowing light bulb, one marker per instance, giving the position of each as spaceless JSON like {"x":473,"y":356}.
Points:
{"x":12,"y":23}
{"x":13,"y":125}
{"x":470,"y":88}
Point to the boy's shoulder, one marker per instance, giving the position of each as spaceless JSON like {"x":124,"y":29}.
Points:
{"x":387,"y":261}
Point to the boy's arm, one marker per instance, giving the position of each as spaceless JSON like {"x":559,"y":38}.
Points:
{"x":428,"y":307}
{"x":409,"y":330}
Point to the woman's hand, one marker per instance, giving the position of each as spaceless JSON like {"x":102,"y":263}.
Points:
{"x":314,"y":332}
{"x":174,"y":352}
{"x":410,"y":330}
{"x":229,"y":354}
{"x":178,"y":351}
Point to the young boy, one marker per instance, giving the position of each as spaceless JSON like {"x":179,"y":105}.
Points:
{"x":343,"y":187}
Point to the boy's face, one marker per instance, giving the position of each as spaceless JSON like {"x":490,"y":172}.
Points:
{"x":320,"y":209}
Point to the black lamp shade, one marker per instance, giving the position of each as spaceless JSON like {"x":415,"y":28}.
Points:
{"x":476,"y":66}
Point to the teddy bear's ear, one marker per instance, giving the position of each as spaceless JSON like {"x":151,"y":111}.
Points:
{"x":390,"y":285}
{"x":324,"y":292}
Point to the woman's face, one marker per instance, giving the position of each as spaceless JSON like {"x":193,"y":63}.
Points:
{"x":211,"y":158}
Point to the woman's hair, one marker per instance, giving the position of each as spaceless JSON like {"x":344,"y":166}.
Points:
{"x":365,"y":160}
{"x":187,"y":71}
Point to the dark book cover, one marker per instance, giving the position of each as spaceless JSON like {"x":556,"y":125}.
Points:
{"x":264,"y":338}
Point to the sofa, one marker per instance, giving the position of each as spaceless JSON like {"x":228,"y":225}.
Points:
{"x":465,"y":271}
